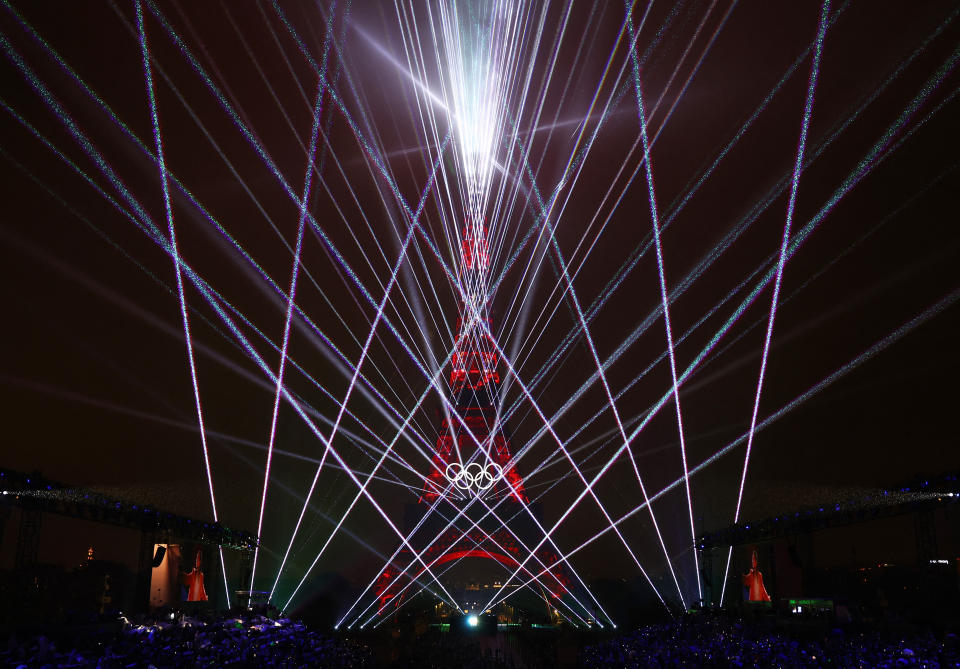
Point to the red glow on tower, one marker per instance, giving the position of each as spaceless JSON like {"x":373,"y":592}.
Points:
{"x":474,"y":381}
{"x":474,"y":251}
{"x":473,"y":364}
{"x":473,"y":420}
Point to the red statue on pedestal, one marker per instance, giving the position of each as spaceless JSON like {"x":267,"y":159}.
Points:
{"x":194,"y":580}
{"x":753,"y":580}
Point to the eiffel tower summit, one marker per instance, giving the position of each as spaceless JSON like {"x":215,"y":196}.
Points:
{"x":474,"y":512}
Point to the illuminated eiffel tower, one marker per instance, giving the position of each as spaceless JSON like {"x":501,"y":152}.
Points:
{"x":472,"y":458}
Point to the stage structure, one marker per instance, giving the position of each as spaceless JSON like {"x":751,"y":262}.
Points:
{"x":472,"y":468}
{"x":808,"y":551}
{"x":163,"y":539}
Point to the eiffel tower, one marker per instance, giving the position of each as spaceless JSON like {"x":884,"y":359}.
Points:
{"x":472,"y":458}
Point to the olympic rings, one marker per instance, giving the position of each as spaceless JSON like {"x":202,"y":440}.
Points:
{"x":474,"y":476}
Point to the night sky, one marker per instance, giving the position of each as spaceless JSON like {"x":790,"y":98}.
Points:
{"x":96,"y":384}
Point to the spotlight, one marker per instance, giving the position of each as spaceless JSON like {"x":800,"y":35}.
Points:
{"x":473,"y":621}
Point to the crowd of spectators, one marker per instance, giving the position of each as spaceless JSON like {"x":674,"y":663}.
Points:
{"x":239,"y":640}
{"x":436,"y":650}
{"x":252,"y":640}
{"x":694,"y":641}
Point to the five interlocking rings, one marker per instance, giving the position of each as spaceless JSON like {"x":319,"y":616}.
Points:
{"x":474,"y":476}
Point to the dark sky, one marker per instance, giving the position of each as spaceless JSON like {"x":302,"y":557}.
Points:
{"x":97,"y":389}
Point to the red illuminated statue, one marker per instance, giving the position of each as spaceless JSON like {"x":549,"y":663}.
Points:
{"x":753,"y":580}
{"x":194,"y":581}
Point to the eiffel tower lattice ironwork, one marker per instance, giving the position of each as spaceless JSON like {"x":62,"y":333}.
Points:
{"x":472,"y":457}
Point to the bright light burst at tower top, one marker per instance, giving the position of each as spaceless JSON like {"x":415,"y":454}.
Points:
{"x":479,"y":50}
